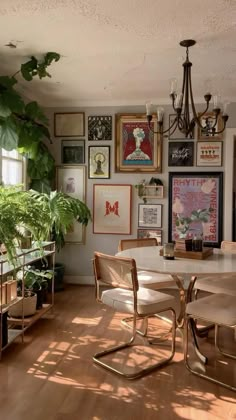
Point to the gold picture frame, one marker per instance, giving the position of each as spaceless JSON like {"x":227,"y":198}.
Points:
{"x":137,"y":149}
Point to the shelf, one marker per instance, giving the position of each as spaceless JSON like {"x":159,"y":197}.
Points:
{"x":29,"y":320}
{"x":12,"y":335}
{"x":153,"y":191}
{"x":6,"y":306}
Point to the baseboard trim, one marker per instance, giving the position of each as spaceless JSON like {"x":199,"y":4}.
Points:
{"x":85,"y":280}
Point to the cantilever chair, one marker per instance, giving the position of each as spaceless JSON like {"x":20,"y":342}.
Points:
{"x":148,"y":279}
{"x":225,"y":283}
{"x":124,"y":295}
{"x":218,"y":309}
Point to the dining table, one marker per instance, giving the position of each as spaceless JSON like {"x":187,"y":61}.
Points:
{"x":184,"y":271}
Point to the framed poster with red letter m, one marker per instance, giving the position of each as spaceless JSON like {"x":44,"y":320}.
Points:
{"x":195,"y":206}
{"x":112,"y":209}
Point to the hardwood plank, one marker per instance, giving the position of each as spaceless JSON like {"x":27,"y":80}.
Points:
{"x":52,"y":377}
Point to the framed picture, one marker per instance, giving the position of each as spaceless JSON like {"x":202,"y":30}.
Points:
{"x":150,"y":215}
{"x":209,"y":153}
{"x":207,"y":121}
{"x":73,"y":152}
{"x":180,"y":153}
{"x":112,"y":209}
{"x":195,"y":206}
{"x":71,"y":180}
{"x":69,"y":124}
{"x":137,"y":148}
{"x":176,"y":135}
{"x":151,"y":233}
{"x":100,"y":127}
{"x":99,"y":162}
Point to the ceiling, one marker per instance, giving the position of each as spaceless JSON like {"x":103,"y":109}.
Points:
{"x":120,"y":52}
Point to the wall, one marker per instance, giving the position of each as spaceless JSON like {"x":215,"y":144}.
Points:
{"x":77,"y":258}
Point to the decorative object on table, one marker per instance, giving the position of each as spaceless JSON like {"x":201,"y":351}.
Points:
{"x":180,"y":153}
{"x":207,"y":121}
{"x":209,"y":153}
{"x":137,"y":149}
{"x":99,"y":162}
{"x":150,"y":233}
{"x":195,"y":206}
{"x":69,"y":124}
{"x":100,"y":127}
{"x":168,"y":251}
{"x":70,"y":180}
{"x":192,"y":255}
{"x":186,"y":116}
{"x":150,"y":215}
{"x":73,"y":152}
{"x":112,"y":208}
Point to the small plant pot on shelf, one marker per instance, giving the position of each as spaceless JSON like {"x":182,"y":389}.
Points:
{"x":30,"y":302}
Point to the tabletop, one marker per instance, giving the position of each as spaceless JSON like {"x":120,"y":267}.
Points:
{"x":148,"y":258}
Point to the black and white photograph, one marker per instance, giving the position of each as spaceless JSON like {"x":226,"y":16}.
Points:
{"x":72,"y":152}
{"x":181,"y":153}
{"x":100,"y":127}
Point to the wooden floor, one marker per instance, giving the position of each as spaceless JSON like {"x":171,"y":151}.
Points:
{"x":52,"y":377}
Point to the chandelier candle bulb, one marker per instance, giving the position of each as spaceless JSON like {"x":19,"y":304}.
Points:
{"x":173,"y":86}
{"x":160,"y":114}
{"x":148,"y":108}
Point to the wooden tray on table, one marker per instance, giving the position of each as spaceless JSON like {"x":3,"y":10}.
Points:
{"x":206,"y":252}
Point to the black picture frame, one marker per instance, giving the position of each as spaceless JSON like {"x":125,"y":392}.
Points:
{"x":100,"y":127}
{"x":181,"y":153}
{"x":72,"y":152}
{"x":189,"y":194}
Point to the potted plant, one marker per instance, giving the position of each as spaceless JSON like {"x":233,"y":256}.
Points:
{"x":37,"y":281}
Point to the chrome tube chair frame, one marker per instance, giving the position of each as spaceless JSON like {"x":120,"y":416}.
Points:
{"x":195,"y":310}
{"x":121,"y":273}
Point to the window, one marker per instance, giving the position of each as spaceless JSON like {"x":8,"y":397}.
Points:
{"x":12,"y":168}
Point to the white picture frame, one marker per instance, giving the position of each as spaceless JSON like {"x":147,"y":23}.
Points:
{"x":150,"y":215}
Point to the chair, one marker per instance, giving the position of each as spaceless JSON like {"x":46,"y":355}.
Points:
{"x":226,"y":283}
{"x":218,"y":309}
{"x":124,"y":295}
{"x":148,"y":279}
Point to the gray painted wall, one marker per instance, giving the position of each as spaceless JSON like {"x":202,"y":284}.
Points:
{"x":77,"y":258}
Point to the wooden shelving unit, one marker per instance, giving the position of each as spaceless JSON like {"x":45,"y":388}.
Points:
{"x":14,"y":327}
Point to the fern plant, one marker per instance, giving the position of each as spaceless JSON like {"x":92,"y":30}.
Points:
{"x":62,"y":210}
{"x":19,"y":211}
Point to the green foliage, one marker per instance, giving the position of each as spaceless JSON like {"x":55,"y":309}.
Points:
{"x":63,"y":210}
{"x":19,"y":211}
{"x":33,"y":67}
{"x":24,"y":126}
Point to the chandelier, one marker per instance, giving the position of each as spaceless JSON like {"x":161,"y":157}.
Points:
{"x":186,"y":116}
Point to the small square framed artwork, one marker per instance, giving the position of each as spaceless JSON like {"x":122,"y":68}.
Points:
{"x":73,"y":152}
{"x":99,"y":162}
{"x":180,"y":153}
{"x":100,"y":127}
{"x":150,"y":233}
{"x":209,"y":153}
{"x":69,"y":124}
{"x":150,"y":215}
{"x":176,"y":134}
{"x":207,"y":121}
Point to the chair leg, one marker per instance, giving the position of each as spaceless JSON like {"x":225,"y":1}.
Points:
{"x":201,"y":375}
{"x":141,"y":372}
{"x":231,"y":356}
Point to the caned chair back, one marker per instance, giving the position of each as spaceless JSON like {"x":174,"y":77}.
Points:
{"x":136,"y":242}
{"x":115,"y":271}
{"x":228,"y":246}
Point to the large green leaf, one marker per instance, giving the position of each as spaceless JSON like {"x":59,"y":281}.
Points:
{"x":7,"y":82}
{"x":8,"y":135}
{"x":4,"y":109}
{"x":33,"y":111}
{"x":11,"y":99}
{"x":29,"y":69}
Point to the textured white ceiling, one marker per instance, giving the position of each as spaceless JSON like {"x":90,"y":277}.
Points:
{"x":120,"y":51}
